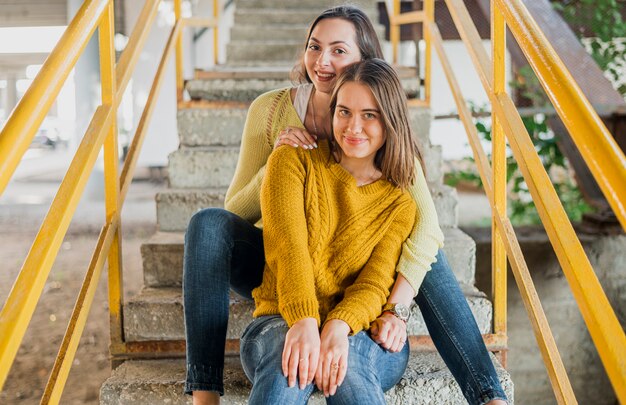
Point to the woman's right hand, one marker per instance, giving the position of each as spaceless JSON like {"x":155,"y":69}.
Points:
{"x":389,"y":332}
{"x":334,"y":351}
{"x":301,"y":352}
{"x":296,"y":137}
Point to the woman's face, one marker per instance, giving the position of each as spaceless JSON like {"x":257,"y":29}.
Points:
{"x":357,"y":122}
{"x":330,"y":49}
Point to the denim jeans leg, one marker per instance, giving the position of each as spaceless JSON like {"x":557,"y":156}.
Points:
{"x":222,"y":251}
{"x":456,"y":335}
{"x":372,"y":370}
{"x":261,"y":350}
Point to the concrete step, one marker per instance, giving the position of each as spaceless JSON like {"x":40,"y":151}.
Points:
{"x":271,"y":17}
{"x":301,"y":4}
{"x":147,"y":382}
{"x":157,"y":314}
{"x":254,"y":34}
{"x":176,"y":206}
{"x":266,"y":18}
{"x":211,"y":126}
{"x":224,"y":126}
{"x":162,"y":257}
{"x":202,"y":167}
{"x":268,"y":51}
{"x":247,"y":89}
{"x":214,"y":166}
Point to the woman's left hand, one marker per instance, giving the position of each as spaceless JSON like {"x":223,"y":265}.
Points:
{"x":389,"y":331}
{"x":333,"y":362}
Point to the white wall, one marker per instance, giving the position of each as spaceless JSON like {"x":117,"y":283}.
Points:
{"x":161,"y":138}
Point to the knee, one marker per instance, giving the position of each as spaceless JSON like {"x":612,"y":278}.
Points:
{"x":209,"y":222}
{"x":272,"y":388}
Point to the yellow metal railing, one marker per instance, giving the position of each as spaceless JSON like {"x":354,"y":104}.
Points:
{"x":605,"y":159}
{"x":101,"y":133}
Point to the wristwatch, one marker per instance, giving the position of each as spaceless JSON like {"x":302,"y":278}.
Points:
{"x":400,"y":310}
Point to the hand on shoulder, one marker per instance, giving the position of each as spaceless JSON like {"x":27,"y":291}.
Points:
{"x":296,"y":137}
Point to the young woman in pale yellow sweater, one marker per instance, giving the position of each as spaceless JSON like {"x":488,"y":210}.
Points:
{"x":224,"y":250}
{"x":334,"y":222}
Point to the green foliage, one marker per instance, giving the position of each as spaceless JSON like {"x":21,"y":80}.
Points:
{"x":607,"y":44}
{"x":521,"y":208}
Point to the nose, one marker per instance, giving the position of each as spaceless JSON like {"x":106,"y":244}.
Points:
{"x":355,"y":125}
{"x":324,"y":59}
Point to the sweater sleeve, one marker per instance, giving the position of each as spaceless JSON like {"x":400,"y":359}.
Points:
{"x":242,"y":197}
{"x":364,"y":299}
{"x":285,"y":235}
{"x":419,"y":251}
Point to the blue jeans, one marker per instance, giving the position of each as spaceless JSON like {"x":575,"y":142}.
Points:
{"x":223,"y":251}
{"x":372,"y":370}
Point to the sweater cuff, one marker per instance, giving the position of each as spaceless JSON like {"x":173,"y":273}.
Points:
{"x":413,"y":264}
{"x":355,"y":324}
{"x":295,"y":311}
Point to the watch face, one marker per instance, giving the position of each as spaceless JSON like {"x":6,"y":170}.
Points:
{"x":402,"y":311}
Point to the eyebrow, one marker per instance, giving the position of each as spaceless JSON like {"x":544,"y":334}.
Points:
{"x":332,"y":43}
{"x":366,"y":110}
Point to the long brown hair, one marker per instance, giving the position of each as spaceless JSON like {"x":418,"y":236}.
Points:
{"x":396,"y":158}
{"x":365,"y":37}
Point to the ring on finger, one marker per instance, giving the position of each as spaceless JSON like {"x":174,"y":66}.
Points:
{"x":334,"y":366}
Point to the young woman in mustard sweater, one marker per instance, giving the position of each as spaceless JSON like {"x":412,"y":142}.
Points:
{"x":224,"y":249}
{"x":334,"y":222}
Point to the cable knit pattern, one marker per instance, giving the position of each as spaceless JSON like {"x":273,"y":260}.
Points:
{"x":268,"y":115}
{"x":331,"y":247}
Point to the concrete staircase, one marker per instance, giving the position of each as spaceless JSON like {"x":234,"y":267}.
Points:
{"x":200,"y":172}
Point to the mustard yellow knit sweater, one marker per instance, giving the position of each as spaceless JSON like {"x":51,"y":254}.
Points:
{"x":268,"y":115}
{"x":331,"y":247}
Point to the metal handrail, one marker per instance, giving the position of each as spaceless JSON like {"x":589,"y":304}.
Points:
{"x":600,"y":318}
{"x":101,"y":134}
{"x":14,"y":140}
{"x":21,"y":126}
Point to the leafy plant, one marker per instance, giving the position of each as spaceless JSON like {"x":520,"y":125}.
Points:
{"x":522,"y":210}
{"x":607,"y":34}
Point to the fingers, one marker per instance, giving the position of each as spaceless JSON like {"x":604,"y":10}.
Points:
{"x":330,"y":374}
{"x":296,"y":137}
{"x":285,"y":360}
{"x":313,"y":362}
{"x":389,"y":332}
{"x":383,"y":334}
{"x":398,"y":342}
{"x":294,"y":361}
{"x":337,"y":374}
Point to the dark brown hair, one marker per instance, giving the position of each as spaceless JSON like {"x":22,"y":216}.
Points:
{"x":396,"y":158}
{"x":365,"y":37}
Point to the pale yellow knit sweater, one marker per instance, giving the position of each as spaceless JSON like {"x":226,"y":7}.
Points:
{"x":331,"y":248}
{"x":268,"y":115}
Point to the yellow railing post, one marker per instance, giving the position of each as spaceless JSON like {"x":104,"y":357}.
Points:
{"x":179,"y":54}
{"x":216,"y":14}
{"x":394,"y":29}
{"x":499,"y":167}
{"x":111,"y":179}
{"x":429,"y":17}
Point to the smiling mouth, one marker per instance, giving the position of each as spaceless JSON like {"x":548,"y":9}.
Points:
{"x":325,"y":76}
{"x":354,"y":141}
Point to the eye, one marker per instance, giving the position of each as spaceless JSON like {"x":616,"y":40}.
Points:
{"x":343,"y":113}
{"x":313,"y":47}
{"x":339,"y":51}
{"x":369,"y":116}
